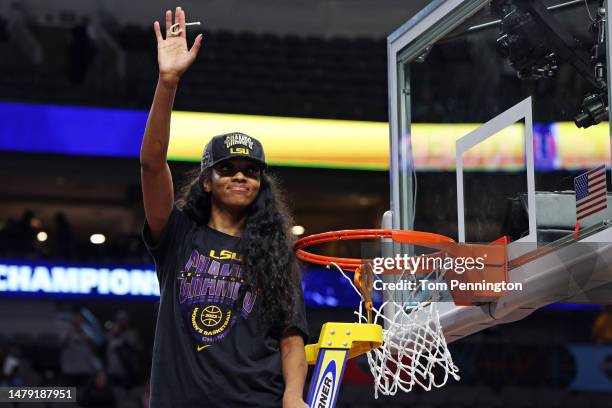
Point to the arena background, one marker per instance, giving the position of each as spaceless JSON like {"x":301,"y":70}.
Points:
{"x":76,"y":81}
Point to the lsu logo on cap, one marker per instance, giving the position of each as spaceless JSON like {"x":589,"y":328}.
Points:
{"x":238,"y":139}
{"x":239,"y":150}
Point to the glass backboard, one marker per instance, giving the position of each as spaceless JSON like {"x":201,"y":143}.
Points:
{"x":496,"y":109}
{"x":494,"y":106}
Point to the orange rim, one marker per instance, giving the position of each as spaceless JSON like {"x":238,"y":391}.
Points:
{"x":350,"y":264}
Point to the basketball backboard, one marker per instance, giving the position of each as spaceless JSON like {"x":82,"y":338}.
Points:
{"x":495,"y":107}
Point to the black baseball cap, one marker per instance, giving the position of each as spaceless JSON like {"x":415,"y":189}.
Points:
{"x":230,"y":145}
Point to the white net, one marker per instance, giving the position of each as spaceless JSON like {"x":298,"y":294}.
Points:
{"x":414,"y":350}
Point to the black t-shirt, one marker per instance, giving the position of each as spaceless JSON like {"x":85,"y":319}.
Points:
{"x":208,"y":353}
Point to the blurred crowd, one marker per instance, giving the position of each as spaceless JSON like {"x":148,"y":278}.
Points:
{"x":107,"y":365}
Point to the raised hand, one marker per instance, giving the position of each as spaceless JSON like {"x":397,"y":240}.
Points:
{"x":173,"y":56}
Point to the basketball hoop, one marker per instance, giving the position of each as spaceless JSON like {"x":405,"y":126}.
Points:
{"x":414,"y":350}
{"x":350,"y":264}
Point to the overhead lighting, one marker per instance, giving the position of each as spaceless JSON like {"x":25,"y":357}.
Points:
{"x":41,"y":236}
{"x":97,"y":239}
{"x":297,"y":230}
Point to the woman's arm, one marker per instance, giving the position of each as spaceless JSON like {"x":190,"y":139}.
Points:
{"x":173,"y":59}
{"x":294,"y":368}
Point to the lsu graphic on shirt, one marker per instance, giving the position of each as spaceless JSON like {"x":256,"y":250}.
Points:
{"x":209,"y":286}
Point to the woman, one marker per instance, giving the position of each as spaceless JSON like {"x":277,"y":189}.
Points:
{"x":231,"y":327}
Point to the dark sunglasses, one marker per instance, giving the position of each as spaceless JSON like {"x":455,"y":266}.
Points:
{"x":228,"y":169}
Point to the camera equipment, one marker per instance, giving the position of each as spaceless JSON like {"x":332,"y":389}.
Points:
{"x":593,"y":110}
{"x":535,"y":43}
{"x":522,"y":43}
{"x":594,"y":107}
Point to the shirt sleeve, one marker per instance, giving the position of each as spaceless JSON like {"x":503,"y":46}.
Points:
{"x":298,"y":318}
{"x":177,"y":227}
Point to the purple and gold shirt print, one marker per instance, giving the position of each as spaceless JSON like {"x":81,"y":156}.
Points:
{"x":208,"y":288}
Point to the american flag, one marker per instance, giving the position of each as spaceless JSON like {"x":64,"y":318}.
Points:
{"x":591,"y":192}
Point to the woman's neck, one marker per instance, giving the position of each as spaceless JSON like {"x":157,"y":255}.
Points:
{"x":226,"y":221}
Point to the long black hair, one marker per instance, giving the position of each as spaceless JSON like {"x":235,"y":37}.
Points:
{"x":266,"y":245}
